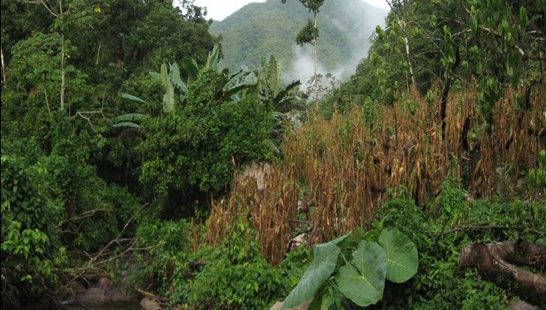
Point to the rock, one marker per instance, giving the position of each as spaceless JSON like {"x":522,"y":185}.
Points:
{"x":105,"y":284}
{"x":104,"y":292}
{"x":297,"y":241}
{"x":93,"y":296}
{"x":278,"y":306}
{"x":303,"y":207}
{"x":119,"y":295}
{"x":518,"y":304}
{"x":255,"y":172}
{"x":148,"y":303}
{"x":77,"y":288}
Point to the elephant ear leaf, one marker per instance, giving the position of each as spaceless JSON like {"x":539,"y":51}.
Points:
{"x":322,"y":266}
{"x":363,"y":279}
{"x":402,"y":257}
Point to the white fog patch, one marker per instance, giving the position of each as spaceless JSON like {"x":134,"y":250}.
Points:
{"x":302,"y":66}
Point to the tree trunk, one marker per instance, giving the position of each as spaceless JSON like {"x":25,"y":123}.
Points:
{"x":315,"y":47}
{"x":62,"y":72}
{"x":315,"y":60}
{"x":3,"y":67}
{"x":406,"y":43}
{"x":60,"y":16}
{"x":412,"y":75}
{"x":495,"y":261}
{"x":98,"y":54}
{"x":445,"y":92}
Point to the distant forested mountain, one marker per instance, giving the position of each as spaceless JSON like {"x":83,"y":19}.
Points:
{"x":260,"y":29}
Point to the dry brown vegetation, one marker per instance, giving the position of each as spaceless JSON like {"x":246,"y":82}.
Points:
{"x":338,"y":169}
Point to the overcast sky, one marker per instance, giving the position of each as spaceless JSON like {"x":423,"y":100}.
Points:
{"x":220,"y":9}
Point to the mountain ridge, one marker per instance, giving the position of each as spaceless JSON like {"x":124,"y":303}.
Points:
{"x":260,"y":29}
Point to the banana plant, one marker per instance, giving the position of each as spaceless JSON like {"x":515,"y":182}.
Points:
{"x":265,"y":83}
{"x":283,"y":99}
{"x":170,"y":78}
{"x":130,"y":120}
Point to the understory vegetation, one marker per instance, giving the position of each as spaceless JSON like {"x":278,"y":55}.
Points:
{"x":129,"y":153}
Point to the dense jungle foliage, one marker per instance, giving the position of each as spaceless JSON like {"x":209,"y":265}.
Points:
{"x":129,"y":153}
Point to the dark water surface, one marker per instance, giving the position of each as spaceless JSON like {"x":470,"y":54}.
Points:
{"x":110,"y":306}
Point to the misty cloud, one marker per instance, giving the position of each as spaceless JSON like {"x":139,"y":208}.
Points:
{"x":354,"y":50}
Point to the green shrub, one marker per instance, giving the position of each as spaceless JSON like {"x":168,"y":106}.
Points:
{"x":236,"y":276}
{"x":27,"y":150}
{"x":293,"y":267}
{"x":400,"y":211}
{"x":30,"y":245}
{"x":94,"y":211}
{"x":195,"y":148}
{"x":221,"y":285}
{"x":536,"y":178}
{"x":165,"y":251}
{"x":453,"y":222}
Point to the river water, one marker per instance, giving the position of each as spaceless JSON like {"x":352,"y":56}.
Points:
{"x":110,"y":306}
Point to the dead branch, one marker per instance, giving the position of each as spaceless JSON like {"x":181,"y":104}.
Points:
{"x":495,"y":263}
{"x":162,"y":301}
{"x":82,"y":216}
{"x":472,"y":227}
{"x":105,"y":255}
{"x":84,"y":115}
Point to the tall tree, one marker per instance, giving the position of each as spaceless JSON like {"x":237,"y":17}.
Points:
{"x":309,"y":34}
{"x":58,"y":11}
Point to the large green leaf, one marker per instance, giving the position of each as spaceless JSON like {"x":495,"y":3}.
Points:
{"x":321,"y":268}
{"x":168,"y":97}
{"x":212,"y":59}
{"x":130,"y":117}
{"x":126,"y":125}
{"x":239,"y":81}
{"x":284,"y":93}
{"x":131,"y":97}
{"x":191,"y":68}
{"x":402,"y":258}
{"x":176,"y":80}
{"x":155,"y":75}
{"x":363,"y":279}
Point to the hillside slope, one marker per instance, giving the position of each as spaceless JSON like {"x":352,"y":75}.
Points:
{"x":261,"y":29}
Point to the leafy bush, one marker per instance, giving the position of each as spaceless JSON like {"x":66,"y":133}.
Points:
{"x":221,"y":285}
{"x":293,"y":267}
{"x":31,"y":96}
{"x":27,"y":150}
{"x":165,"y":243}
{"x":95,"y":211}
{"x":196,"y":147}
{"x":453,"y":222}
{"x":30,"y":245}
{"x":232,"y":275}
{"x":236,"y":276}
{"x":536,"y":178}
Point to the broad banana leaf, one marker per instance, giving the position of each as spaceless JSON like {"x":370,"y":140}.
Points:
{"x":168,"y":97}
{"x":131,"y":97}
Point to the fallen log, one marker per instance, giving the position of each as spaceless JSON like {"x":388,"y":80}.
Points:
{"x":496,"y":262}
